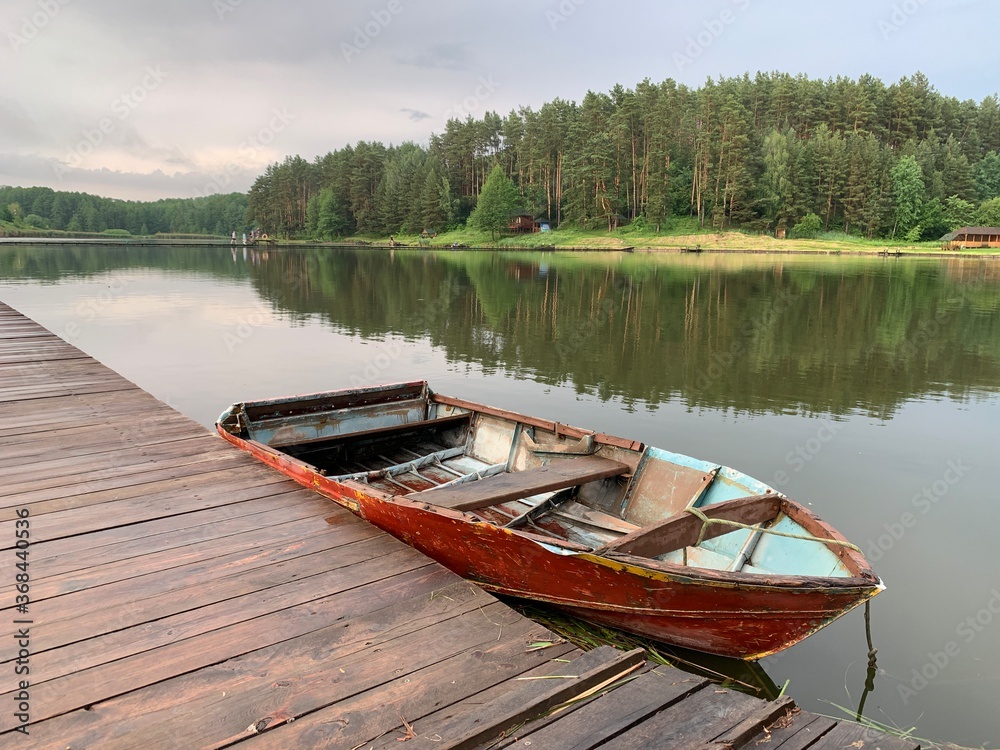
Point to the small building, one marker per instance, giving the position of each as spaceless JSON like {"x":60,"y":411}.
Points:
{"x":523,"y":224}
{"x":971,"y":237}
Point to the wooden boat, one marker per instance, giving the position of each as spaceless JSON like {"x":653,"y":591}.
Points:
{"x":651,"y":542}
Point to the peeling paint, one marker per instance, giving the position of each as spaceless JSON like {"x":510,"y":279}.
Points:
{"x":570,"y":550}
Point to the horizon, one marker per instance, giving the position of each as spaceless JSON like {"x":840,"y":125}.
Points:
{"x":99,"y":103}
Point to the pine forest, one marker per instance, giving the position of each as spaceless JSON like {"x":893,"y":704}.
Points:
{"x":771,"y":153}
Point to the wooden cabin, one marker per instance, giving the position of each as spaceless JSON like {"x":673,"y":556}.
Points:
{"x":972,"y":237}
{"x":523,"y":224}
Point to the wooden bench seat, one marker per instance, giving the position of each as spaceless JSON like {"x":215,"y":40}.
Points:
{"x":684,"y":529}
{"x":559,"y":474}
{"x":326,"y":441}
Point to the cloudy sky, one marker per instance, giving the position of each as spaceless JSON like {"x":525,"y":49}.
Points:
{"x":143,"y":100}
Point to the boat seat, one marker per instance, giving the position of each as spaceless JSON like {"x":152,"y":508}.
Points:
{"x":685,"y":530}
{"x":325,"y":441}
{"x":584,"y":514}
{"x":557,"y":475}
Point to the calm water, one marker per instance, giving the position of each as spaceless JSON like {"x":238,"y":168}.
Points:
{"x":865,"y":387}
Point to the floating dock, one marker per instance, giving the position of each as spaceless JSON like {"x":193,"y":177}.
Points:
{"x":178,"y":594}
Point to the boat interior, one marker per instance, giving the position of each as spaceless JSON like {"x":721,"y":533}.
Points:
{"x":578,"y":490}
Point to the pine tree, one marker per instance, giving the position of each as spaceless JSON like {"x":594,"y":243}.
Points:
{"x":435,"y":205}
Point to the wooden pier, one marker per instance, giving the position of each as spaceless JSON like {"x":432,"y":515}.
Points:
{"x":182,"y":595}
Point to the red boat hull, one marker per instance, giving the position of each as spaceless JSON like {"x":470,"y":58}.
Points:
{"x":738,"y":615}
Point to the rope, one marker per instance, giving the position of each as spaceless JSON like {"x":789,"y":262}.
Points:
{"x":872,"y":663}
{"x":868,"y":633}
{"x":705,"y":521}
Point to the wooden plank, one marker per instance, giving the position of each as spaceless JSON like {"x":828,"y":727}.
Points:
{"x":397,"y":429}
{"x":683,"y":529}
{"x":16,"y":377}
{"x":148,"y":701}
{"x":67,"y":375}
{"x":219,"y":551}
{"x":53,"y":429}
{"x":500,"y":488}
{"x":364,"y":718}
{"x":472,"y":724}
{"x":801,"y":731}
{"x":32,"y":394}
{"x":578,"y":512}
{"x":121,"y":454}
{"x":754,"y":725}
{"x":305,"y":603}
{"x":309,"y":686}
{"x":110,"y":481}
{"x":55,"y":519}
{"x":187,"y":597}
{"x":692,"y":723}
{"x":104,"y":428}
{"x":64,"y":554}
{"x":848,"y":735}
{"x":113,"y":457}
{"x":148,"y":598}
{"x":88,"y":441}
{"x":57,"y":372}
{"x":350,"y":398}
{"x":23,"y":332}
{"x":74,"y":380}
{"x":129,"y":463}
{"x":40,"y":354}
{"x":619,"y":710}
{"x":132,"y":481}
{"x":67,"y":406}
{"x":543,"y":424}
{"x":52,"y":562}
{"x":87,"y":512}
{"x":64,"y":408}
{"x":45,"y":351}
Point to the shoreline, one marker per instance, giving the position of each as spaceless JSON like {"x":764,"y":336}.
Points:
{"x":886,"y":252}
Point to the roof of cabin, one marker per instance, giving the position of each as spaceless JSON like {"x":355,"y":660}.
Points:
{"x":995,"y":231}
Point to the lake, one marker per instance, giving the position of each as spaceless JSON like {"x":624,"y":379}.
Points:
{"x":866,"y":388}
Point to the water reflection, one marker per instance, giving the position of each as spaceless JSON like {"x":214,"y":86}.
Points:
{"x":771,"y":335}
{"x":786,"y":337}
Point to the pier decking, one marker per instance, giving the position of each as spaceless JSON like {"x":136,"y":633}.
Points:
{"x":182,"y":595}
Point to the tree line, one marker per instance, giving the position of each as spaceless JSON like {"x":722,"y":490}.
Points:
{"x":43,"y":208}
{"x":768,"y":153}
{"x":762,"y":153}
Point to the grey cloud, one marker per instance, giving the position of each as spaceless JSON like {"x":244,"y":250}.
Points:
{"x":415,"y":114}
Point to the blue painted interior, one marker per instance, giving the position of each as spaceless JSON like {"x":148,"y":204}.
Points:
{"x":658,"y":454}
{"x":782,"y":555}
